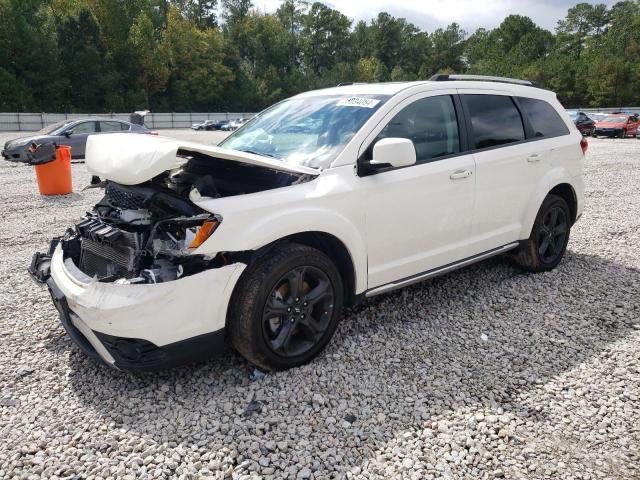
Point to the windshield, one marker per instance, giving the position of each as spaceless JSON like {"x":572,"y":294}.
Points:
{"x":307,"y":131}
{"x":615,"y":119}
{"x":55,"y":128}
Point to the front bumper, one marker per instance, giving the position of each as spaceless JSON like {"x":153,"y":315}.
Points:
{"x":142,"y":327}
{"x":608,"y":132}
{"x":15,"y":155}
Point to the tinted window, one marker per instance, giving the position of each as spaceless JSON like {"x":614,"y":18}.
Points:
{"x":495,"y":120}
{"x":85,"y":127}
{"x":430,"y":123}
{"x":544,"y":119}
{"x":113,"y":127}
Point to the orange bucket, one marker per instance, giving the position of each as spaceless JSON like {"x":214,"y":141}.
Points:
{"x":54,"y":178}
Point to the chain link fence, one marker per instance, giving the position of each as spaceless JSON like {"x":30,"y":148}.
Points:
{"x":29,"y":122}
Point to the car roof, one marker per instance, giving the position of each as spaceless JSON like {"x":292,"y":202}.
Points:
{"x":393,"y":88}
{"x":94,"y":119}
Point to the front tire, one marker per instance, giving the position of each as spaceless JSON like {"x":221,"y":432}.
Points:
{"x":549,"y":237}
{"x":285,"y":307}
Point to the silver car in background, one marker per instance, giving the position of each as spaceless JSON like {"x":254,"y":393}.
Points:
{"x":69,"y":132}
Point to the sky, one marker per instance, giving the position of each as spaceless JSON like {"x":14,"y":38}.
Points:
{"x":432,"y":14}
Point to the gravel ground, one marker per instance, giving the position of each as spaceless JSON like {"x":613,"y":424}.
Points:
{"x":486,"y":372}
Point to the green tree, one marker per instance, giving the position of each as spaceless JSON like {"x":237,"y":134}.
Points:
{"x":198,"y":75}
{"x":291,"y":14}
{"x":325,"y":38}
{"x":83,"y":59}
{"x":448,"y":47}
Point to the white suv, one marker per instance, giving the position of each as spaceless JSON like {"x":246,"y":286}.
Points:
{"x":318,"y":202}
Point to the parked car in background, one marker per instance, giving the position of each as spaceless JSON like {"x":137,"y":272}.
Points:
{"x":583,"y":122}
{"x":598,"y":116}
{"x":617,"y":125}
{"x":70,"y":132}
{"x":206,"y":125}
{"x":234,"y":124}
{"x":321,"y":201}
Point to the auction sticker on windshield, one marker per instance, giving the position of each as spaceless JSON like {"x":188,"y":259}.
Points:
{"x":358,"y":102}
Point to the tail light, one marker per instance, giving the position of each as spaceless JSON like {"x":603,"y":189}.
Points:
{"x":153,"y":132}
{"x":584,"y":145}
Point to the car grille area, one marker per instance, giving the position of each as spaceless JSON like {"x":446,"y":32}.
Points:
{"x":100,"y":260}
{"x":123,"y":197}
{"x":107,"y":251}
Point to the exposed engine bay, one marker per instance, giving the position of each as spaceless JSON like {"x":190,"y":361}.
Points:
{"x":147,"y":233}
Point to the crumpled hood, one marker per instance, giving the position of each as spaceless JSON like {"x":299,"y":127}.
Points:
{"x":134,"y":159}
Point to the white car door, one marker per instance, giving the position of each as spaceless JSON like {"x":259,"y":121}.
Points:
{"x":508,"y":168}
{"x":419,"y":217}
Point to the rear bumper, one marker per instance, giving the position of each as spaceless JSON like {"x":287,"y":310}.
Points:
{"x":143,"y":327}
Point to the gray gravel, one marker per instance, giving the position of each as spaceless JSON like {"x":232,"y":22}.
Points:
{"x":487,"y":372}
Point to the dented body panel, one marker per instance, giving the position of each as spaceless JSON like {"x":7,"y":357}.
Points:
{"x":161,"y":313}
{"x":329,"y":204}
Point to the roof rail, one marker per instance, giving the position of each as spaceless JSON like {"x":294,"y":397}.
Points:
{"x":441,"y":77}
{"x":344,"y":84}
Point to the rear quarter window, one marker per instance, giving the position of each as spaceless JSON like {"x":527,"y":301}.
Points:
{"x":543,"y":118}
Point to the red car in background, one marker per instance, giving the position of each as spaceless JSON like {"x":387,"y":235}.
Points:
{"x":617,"y":125}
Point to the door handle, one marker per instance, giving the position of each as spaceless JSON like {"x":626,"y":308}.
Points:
{"x":534,"y":157}
{"x":458,"y":174}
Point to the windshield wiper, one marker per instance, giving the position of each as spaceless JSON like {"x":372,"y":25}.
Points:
{"x":261,"y":154}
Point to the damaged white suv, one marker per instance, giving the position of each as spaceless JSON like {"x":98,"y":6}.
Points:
{"x":318,"y":202}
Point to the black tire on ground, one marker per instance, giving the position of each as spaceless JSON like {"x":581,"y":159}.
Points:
{"x":549,"y":237}
{"x":623,"y":133}
{"x":285,"y":307}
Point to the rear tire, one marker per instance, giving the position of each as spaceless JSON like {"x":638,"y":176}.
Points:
{"x":285,"y":307}
{"x":549,"y":237}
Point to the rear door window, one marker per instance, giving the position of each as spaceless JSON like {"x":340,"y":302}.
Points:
{"x":543,"y":118}
{"x":85,"y":127}
{"x":430,"y":123}
{"x":495,"y":120}
{"x":106,"y":127}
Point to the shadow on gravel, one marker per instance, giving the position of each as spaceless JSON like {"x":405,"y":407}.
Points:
{"x":477,"y":337}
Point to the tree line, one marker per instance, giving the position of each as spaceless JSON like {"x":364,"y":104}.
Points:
{"x":201,"y":55}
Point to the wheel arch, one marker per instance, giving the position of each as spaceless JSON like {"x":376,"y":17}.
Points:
{"x":557,"y":182}
{"x":329,"y":244}
{"x":568,"y":194}
{"x":339,"y":254}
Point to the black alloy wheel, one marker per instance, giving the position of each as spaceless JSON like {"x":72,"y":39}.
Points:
{"x":553,"y":234}
{"x":285,"y":307}
{"x":298,"y":311}
{"x":545,"y":247}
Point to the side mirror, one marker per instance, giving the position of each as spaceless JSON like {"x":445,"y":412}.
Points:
{"x":397,"y":152}
{"x":68,"y":133}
